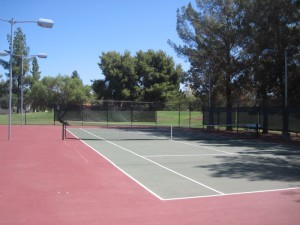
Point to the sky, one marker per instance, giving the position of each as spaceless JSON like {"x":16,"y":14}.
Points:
{"x":83,"y":29}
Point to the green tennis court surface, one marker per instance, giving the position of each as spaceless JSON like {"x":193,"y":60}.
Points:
{"x":178,"y":169}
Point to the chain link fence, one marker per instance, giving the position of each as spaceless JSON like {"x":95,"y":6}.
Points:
{"x":269,"y":115}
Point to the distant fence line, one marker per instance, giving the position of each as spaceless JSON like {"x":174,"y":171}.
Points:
{"x":185,"y":114}
{"x":189,"y":114}
{"x":267,"y":118}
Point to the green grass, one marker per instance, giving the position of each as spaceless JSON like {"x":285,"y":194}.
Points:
{"x":38,"y":118}
{"x":164,"y":118}
{"x":185,"y":118}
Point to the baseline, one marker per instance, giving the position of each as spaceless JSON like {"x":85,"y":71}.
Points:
{"x":233,"y":194}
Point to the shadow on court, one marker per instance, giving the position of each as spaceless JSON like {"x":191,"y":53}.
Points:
{"x":260,"y":161}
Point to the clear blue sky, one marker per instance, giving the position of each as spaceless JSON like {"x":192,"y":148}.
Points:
{"x":84,"y":29}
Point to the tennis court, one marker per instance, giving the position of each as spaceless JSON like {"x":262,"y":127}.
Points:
{"x":153,"y":180}
{"x":171,"y":167}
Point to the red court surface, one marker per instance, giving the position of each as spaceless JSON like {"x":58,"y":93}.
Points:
{"x":44,"y":180}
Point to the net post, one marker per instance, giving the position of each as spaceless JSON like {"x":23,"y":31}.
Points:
{"x":63,"y":131}
{"x":171,"y":132}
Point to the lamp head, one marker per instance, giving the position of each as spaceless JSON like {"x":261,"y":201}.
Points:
{"x":42,"y":55}
{"x":46,"y":23}
{"x":4,"y":53}
{"x":268,"y":51}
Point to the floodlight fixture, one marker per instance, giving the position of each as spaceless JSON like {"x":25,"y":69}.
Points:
{"x":4,"y":53}
{"x":41,"y":55}
{"x":46,"y":23}
{"x":268,"y":51}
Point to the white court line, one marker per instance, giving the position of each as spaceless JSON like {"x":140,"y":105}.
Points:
{"x":231,"y":194}
{"x":204,"y":146}
{"x":192,"y":155}
{"x":166,"y":168}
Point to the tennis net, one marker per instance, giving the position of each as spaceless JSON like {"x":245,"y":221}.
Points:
{"x":143,"y":132}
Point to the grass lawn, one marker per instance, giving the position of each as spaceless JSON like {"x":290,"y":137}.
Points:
{"x":38,"y":118}
{"x":184,"y":118}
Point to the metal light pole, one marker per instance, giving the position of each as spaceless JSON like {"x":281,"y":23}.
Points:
{"x":46,"y":23}
{"x":285,"y":131}
{"x":10,"y":77}
{"x":285,"y":79}
{"x":209,"y":91}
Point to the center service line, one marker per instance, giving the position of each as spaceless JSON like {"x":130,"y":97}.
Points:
{"x":166,"y":168}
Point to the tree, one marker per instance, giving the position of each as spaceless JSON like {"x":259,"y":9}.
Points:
{"x":159,"y":77}
{"x":38,"y":96}
{"x":4,"y":64}
{"x":212,"y":44}
{"x":121,"y":80}
{"x":60,"y":90}
{"x":4,"y":85}
{"x":147,"y":76}
{"x":224,"y":40}
{"x":35,"y":73}
{"x":273,"y":25}
{"x":99,"y":87}
{"x":3,"y":94}
{"x":75,"y":74}
{"x":20,"y":50}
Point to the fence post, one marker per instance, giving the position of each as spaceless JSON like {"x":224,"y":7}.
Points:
{"x":81,"y":111}
{"x":54,"y":115}
{"x":237,"y":121}
{"x":190,"y":118}
{"x":131,"y":114}
{"x":107,"y":113}
{"x":179,"y":114}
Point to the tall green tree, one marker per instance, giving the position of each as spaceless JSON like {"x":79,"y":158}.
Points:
{"x":59,"y":90}
{"x":3,"y":94}
{"x":147,"y":76}
{"x":159,"y":77}
{"x":20,"y":49}
{"x":121,"y":80}
{"x":4,"y":87}
{"x":35,"y":73}
{"x":212,"y":44}
{"x":273,"y":27}
{"x":75,"y":74}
